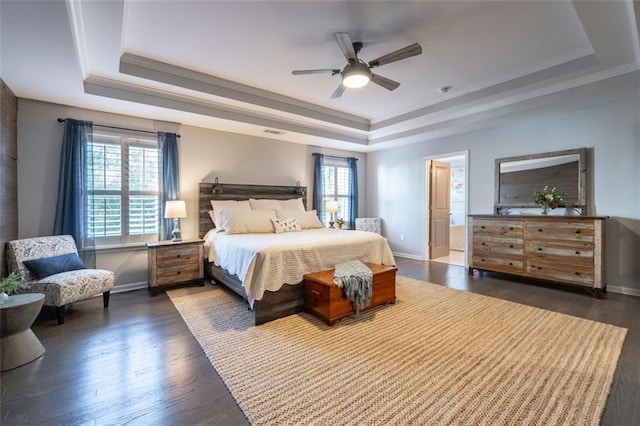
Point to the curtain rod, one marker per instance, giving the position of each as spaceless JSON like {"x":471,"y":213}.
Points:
{"x":62,"y":120}
{"x":334,"y":156}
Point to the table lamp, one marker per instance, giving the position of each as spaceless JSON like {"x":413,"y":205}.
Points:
{"x":332,"y":207}
{"x":175,"y":210}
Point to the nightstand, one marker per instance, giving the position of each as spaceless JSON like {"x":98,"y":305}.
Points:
{"x":175,"y":262}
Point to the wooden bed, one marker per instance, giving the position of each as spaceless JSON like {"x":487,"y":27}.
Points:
{"x":274,"y":304}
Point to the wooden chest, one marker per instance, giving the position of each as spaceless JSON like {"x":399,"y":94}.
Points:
{"x":327,"y":300}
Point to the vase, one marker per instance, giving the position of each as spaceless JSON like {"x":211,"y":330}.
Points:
{"x":545,"y":210}
{"x":4,"y":297}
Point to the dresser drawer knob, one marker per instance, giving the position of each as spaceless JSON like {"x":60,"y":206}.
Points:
{"x":577,"y":231}
{"x":179,"y":272}
{"x":577,"y":273}
{"x":539,"y":230}
{"x":482,"y":260}
{"x":539,"y":248}
{"x":577,"y":252}
{"x":177,"y":255}
{"x":510,"y":263}
{"x":511,"y":228}
{"x":511,"y":246}
{"x":482,"y":227}
{"x":539,"y":268}
{"x":483,"y":244}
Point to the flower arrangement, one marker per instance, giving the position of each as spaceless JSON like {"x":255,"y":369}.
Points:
{"x":547,"y":199}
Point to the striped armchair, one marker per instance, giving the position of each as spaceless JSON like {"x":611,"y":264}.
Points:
{"x":61,"y":288}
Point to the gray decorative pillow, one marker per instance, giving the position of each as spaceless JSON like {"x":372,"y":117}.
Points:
{"x":289,"y":224}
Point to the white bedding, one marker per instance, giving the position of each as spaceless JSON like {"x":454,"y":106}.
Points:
{"x":267,"y":261}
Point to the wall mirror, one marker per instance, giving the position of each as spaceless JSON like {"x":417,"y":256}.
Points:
{"x":517,"y":178}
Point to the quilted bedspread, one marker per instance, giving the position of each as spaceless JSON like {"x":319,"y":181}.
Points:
{"x":267,"y":261}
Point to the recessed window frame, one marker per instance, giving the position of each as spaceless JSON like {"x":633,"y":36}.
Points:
{"x":125,"y":141}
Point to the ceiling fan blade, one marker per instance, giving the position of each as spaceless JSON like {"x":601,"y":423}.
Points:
{"x":384,"y":82}
{"x":319,"y":71}
{"x":405,"y":52}
{"x":339,"y":91}
{"x":346,"y":45}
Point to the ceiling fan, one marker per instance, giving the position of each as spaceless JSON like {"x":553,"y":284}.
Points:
{"x":357,"y":73}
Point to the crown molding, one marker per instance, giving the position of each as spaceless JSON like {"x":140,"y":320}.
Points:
{"x":102,"y":86}
{"x":194,"y":80}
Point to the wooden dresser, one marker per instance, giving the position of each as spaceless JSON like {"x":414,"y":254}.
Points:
{"x":175,"y":262}
{"x":564,"y":249}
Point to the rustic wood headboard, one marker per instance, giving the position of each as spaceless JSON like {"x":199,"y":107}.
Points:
{"x":229,"y":191}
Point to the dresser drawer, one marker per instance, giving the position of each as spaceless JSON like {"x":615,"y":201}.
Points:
{"x":504,"y":263}
{"x":562,"y":251}
{"x":552,"y":268}
{"x":485,"y":245}
{"x":560,"y":230}
{"x":178,"y":255}
{"x":502,"y":228}
{"x":177,"y":274}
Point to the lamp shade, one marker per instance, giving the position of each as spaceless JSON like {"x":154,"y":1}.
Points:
{"x":175,"y":209}
{"x":332,"y":206}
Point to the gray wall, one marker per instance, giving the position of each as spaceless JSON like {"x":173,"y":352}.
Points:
{"x":610,"y":127}
{"x":204,"y":154}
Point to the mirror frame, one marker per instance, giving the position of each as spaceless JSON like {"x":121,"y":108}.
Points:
{"x":581,"y":205}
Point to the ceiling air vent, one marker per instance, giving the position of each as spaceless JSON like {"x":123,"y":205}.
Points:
{"x":273,"y":132}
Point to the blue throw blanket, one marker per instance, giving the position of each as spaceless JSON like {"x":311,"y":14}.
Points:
{"x":356,"y":279}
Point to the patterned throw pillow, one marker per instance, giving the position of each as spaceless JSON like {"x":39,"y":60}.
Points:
{"x":289,"y":224}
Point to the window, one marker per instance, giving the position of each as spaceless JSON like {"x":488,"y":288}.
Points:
{"x":337,"y":176}
{"x":124,"y":189}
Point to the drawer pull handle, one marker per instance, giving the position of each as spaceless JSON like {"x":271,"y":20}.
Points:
{"x":177,"y":255}
{"x":510,"y":263}
{"x":179,"y":272}
{"x":539,"y":248}
{"x":483,"y":244}
{"x":482,"y":227}
{"x":539,"y":268}
{"x":577,"y":252}
{"x":511,"y":246}
{"x":539,"y":230}
{"x":482,"y":260}
{"x":577,"y":273}
{"x":511,"y":228}
{"x":577,"y":231}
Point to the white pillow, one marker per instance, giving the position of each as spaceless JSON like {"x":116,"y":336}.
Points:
{"x":265,"y":204}
{"x":289,"y":224}
{"x":219,"y":205}
{"x":238,"y":221}
{"x":306,"y":220}
{"x":293,"y":204}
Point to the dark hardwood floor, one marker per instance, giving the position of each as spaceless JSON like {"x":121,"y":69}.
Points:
{"x":137,"y":363}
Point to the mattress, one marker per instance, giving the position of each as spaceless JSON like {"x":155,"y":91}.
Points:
{"x":267,"y":261}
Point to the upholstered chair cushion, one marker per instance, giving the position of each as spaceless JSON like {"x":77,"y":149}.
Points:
{"x":63,"y":287}
{"x":370,"y":224}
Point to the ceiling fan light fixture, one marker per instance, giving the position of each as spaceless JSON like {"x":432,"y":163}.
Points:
{"x":356,"y":75}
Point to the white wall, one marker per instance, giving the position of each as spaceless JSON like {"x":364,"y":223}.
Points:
{"x":396,"y":182}
{"x":204,"y":154}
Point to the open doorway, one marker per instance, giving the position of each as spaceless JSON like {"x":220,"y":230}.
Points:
{"x":446,"y":210}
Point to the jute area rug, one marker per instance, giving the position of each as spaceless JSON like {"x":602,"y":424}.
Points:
{"x":437,"y":357}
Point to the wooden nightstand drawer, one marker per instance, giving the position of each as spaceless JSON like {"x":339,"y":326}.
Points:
{"x":173,"y":263}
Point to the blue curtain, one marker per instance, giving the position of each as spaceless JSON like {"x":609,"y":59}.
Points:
{"x":318,"y":185}
{"x":353,"y":191}
{"x":72,"y":208}
{"x":170,"y":181}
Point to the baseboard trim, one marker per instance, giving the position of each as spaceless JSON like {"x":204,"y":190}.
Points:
{"x":623,"y":290}
{"x":129,"y":287}
{"x":408,"y":256}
